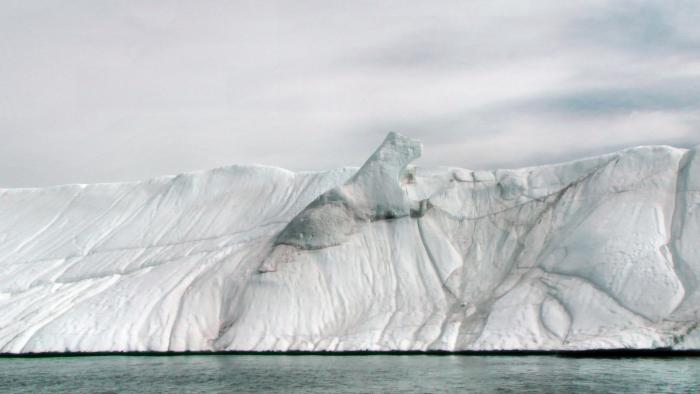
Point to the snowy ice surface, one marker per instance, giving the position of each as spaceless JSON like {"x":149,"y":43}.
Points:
{"x":591,"y":254}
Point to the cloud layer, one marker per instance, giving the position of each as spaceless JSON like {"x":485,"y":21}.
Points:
{"x":104,"y":91}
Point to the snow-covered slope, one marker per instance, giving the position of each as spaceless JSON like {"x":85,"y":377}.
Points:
{"x":591,"y":254}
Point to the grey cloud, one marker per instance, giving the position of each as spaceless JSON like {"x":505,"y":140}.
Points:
{"x":673,"y":95}
{"x":641,"y":26}
{"x":98,"y":91}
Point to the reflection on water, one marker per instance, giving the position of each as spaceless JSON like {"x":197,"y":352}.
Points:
{"x":368,"y":373}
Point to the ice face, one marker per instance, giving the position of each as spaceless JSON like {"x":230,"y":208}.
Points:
{"x":375,"y":192}
{"x":595,"y":253}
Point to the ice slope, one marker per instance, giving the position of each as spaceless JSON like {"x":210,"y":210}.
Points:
{"x":592,"y":254}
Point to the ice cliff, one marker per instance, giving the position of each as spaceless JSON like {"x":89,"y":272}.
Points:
{"x":592,"y":254}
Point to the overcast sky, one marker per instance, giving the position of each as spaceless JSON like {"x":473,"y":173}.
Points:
{"x":96,"y":91}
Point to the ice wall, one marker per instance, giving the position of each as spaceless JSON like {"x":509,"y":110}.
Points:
{"x":595,"y":253}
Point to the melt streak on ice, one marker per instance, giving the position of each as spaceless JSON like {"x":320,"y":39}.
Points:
{"x":592,"y":254}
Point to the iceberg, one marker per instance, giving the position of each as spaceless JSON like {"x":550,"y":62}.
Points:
{"x":599,"y":253}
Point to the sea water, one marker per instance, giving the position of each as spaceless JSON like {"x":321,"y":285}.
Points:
{"x":350,"y":373}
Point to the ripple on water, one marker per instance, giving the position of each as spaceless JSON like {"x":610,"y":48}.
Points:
{"x":322,"y":374}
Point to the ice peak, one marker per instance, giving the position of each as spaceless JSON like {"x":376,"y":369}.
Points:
{"x":392,"y":157}
{"x":373,"y":193}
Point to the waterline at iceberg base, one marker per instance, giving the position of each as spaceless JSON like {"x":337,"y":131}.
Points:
{"x":600,"y":253}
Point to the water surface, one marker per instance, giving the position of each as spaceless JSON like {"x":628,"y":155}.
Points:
{"x":367,"y":373}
